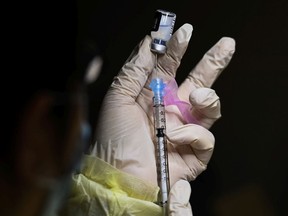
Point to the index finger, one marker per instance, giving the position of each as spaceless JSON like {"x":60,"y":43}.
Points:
{"x":210,"y":66}
{"x":176,"y":48}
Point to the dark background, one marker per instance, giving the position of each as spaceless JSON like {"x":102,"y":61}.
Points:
{"x":247,"y":174}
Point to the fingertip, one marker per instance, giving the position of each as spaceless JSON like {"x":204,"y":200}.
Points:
{"x":180,"y":194}
{"x":145,"y":43}
{"x":227,"y":44}
{"x":203,"y":97}
{"x":184,"y":33}
{"x":142,"y":56}
{"x":147,"y":39}
{"x":206,"y":106}
{"x":182,"y":186}
{"x":142,"y":47}
{"x":187,"y":27}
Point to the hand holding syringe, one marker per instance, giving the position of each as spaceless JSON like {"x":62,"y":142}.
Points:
{"x":125,"y":132}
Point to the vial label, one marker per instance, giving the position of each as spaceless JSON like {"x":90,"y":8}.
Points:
{"x":157,"y":20}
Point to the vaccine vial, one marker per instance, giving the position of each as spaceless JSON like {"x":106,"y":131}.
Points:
{"x":162,"y":30}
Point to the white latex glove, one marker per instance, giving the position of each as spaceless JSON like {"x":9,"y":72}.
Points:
{"x":125,"y":129}
{"x":179,"y":199}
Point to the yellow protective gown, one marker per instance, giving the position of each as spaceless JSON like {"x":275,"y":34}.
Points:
{"x":101,"y":189}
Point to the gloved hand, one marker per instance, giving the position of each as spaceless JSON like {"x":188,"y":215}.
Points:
{"x":125,"y":132}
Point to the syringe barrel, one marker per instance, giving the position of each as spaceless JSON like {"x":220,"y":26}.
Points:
{"x":157,"y":85}
{"x":159,"y":117}
{"x":162,"y":168}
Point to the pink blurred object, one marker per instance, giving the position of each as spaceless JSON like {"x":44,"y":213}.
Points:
{"x":171,"y":98}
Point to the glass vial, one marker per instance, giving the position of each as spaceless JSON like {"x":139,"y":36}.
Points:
{"x":162,"y":30}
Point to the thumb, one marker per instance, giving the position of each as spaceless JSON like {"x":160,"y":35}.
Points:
{"x":134,"y":73}
{"x":179,"y":196}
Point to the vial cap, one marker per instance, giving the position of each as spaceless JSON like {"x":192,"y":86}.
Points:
{"x":158,"y":48}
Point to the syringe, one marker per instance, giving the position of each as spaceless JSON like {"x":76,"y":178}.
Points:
{"x":158,"y":86}
{"x":161,"y":33}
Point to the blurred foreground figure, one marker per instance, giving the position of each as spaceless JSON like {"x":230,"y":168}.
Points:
{"x":44,"y":108}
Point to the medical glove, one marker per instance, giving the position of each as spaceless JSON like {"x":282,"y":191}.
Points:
{"x":125,"y":132}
